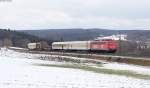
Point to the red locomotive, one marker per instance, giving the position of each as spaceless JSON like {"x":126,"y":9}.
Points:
{"x":104,"y":45}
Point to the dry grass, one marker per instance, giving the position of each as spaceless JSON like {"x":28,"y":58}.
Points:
{"x":133,"y":60}
{"x":126,"y":73}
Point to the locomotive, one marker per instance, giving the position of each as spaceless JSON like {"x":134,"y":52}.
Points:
{"x":92,"y":46}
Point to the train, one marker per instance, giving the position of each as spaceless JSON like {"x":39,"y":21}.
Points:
{"x":90,"y":46}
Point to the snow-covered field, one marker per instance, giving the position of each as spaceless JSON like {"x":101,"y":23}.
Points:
{"x":17,"y":71}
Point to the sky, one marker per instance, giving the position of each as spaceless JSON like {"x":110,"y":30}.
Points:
{"x":56,"y":14}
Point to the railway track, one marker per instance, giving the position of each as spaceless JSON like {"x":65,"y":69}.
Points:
{"x":112,"y":58}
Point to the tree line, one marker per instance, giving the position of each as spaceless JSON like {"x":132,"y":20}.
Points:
{"x":17,"y":39}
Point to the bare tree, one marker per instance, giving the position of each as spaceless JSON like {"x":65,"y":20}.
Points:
{"x":45,"y":45}
{"x":22,"y":43}
{"x":7,"y":42}
{"x":1,"y":43}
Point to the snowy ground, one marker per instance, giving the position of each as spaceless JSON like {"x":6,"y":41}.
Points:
{"x":17,"y":71}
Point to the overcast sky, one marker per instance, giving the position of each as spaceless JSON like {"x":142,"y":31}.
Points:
{"x":109,"y":14}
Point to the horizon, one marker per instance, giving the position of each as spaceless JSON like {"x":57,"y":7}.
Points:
{"x":37,"y":29}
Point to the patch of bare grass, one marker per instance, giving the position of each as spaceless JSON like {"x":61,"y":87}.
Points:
{"x":126,"y":73}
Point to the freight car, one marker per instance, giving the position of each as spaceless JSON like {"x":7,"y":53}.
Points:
{"x":38,"y":46}
{"x":95,"y":46}
{"x":34,"y":46}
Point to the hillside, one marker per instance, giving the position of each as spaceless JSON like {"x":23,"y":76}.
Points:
{"x":15,"y":38}
{"x":86,"y":34}
{"x":68,"y":34}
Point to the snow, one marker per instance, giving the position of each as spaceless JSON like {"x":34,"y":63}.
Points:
{"x":17,"y":71}
{"x":18,"y":48}
{"x":135,"y":68}
{"x":113,"y":37}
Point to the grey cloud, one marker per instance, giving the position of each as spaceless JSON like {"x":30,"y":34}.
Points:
{"x":114,"y":14}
